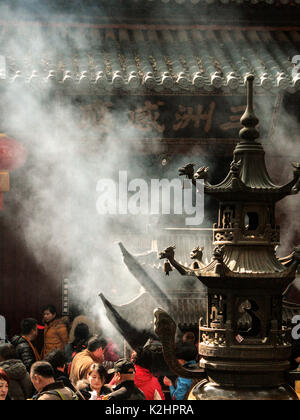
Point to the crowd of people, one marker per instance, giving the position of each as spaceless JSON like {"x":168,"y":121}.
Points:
{"x":77,"y":364}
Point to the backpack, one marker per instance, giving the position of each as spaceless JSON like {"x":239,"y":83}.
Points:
{"x":59,"y":394}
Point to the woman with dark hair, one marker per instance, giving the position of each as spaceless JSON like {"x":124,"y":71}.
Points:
{"x":4,"y":383}
{"x":81,"y":337}
{"x":144,"y":378}
{"x":57,"y":360}
{"x":20,"y":386}
{"x":93,"y":387}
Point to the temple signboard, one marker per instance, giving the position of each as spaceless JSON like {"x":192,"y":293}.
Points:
{"x":172,"y":117}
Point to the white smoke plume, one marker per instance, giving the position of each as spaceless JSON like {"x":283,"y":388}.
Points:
{"x":55,"y":199}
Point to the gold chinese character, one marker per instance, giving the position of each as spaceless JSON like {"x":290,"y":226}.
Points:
{"x":146,"y":117}
{"x":95,"y":114}
{"x":234,"y":119}
{"x":186,"y":115}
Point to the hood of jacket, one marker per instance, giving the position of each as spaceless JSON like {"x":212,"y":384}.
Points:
{"x":14,"y":368}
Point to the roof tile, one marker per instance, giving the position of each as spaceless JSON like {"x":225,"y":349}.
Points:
{"x":153,"y":60}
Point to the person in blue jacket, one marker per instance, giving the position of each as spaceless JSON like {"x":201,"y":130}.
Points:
{"x":186,"y":355}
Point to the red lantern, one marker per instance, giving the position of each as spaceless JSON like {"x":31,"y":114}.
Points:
{"x":12,"y":156}
{"x":12,"y":153}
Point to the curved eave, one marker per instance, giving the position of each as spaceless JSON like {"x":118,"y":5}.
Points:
{"x":286,"y":189}
{"x":253,"y":185}
{"x":252,"y":177}
{"x":213,"y":269}
{"x":142,"y":304}
{"x":141,"y":275}
{"x":288,"y":260}
{"x":248,"y":281}
{"x":220,"y":270}
{"x":124,"y":320}
{"x":224,"y":191}
{"x":252,"y":260}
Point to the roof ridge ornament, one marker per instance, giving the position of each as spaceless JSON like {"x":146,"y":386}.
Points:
{"x":249,"y":119}
{"x":218,"y":253}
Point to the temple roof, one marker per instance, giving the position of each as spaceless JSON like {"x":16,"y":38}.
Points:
{"x":96,"y":6}
{"x":150,"y":58}
{"x":194,"y":2}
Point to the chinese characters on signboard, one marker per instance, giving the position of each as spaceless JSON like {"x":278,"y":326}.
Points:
{"x":169,"y":117}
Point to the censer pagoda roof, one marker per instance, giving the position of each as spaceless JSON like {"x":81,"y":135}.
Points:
{"x":248,"y":178}
{"x":250,"y":261}
{"x":253,"y":183}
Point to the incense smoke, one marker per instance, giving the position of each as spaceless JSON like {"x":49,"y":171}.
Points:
{"x":53,"y":200}
{"x":55,"y":193}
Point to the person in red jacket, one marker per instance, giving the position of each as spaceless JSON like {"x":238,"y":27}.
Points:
{"x":144,"y":378}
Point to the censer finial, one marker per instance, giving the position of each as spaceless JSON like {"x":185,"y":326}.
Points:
{"x":249,"y":119}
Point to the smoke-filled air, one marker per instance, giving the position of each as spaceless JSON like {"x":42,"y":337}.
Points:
{"x":55,"y":205}
{"x":55,"y":192}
